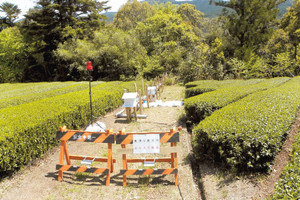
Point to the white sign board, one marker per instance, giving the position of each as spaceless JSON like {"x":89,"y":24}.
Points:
{"x":146,"y":143}
{"x":130,"y":99}
{"x":151,"y":90}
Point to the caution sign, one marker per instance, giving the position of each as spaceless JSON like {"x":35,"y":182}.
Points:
{"x":146,"y":143}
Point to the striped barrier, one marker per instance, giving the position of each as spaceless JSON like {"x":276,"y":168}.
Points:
{"x":65,"y":135}
{"x":171,"y":137}
{"x":165,"y":137}
{"x":74,"y":168}
{"x":148,"y":171}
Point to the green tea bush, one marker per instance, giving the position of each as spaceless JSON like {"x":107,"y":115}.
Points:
{"x":45,"y":93}
{"x":201,"y":106}
{"x":29,"y":130}
{"x":201,"y":87}
{"x":289,"y":183}
{"x":248,"y":134}
{"x":20,"y":89}
{"x":201,"y":82}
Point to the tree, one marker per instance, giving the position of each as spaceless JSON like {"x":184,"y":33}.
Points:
{"x":131,"y":13}
{"x":190,"y":15}
{"x":115,"y":54}
{"x":11,"y":11}
{"x":12,"y":55}
{"x":290,"y":22}
{"x":55,"y":21}
{"x":249,"y":22}
{"x":168,"y":39}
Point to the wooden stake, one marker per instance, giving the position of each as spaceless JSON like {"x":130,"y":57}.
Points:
{"x":143,"y":86}
{"x":135,"y":114}
{"x":135,"y":88}
{"x":141,"y":102}
{"x":147,"y":95}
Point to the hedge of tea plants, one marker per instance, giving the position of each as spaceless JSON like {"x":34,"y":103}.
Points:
{"x":200,"y":87}
{"x":288,"y":186}
{"x":28,"y":130}
{"x":19,"y":89}
{"x":45,"y":92}
{"x":248,"y":134}
{"x":201,"y":106}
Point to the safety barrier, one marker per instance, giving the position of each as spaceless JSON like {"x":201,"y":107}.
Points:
{"x":65,"y":135}
{"x":171,"y":137}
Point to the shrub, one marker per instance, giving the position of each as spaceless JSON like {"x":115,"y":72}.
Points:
{"x":289,"y":183}
{"x":35,"y":93}
{"x":201,"y":106}
{"x":211,"y":85}
{"x":248,"y":134}
{"x":28,"y":130}
{"x":201,"y":82}
{"x":9,"y":90}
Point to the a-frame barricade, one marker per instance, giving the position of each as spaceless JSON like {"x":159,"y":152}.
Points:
{"x":65,"y":135}
{"x":126,"y":139}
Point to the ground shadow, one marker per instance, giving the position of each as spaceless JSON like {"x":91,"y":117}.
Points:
{"x":117,"y":179}
{"x":121,"y":121}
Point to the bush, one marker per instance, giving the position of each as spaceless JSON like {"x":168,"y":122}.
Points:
{"x":35,"y":93}
{"x":289,"y":183}
{"x":29,"y":130}
{"x":201,"y":106}
{"x":201,"y":87}
{"x":248,"y":134}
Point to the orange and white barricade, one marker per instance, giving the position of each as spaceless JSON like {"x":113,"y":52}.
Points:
{"x":126,"y":139}
{"x":65,"y":135}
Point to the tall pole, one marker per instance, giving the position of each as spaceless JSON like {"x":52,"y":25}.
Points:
{"x":89,"y":68}
{"x":90,"y":86}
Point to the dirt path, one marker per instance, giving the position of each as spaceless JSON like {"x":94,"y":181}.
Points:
{"x":39,"y":181}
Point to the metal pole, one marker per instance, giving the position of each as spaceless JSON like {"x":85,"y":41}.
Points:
{"x":91,"y":106}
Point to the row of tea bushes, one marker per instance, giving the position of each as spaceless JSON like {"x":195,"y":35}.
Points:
{"x":248,"y":134}
{"x":288,"y":186}
{"x":28,"y":130}
{"x":201,"y":82}
{"x":201,"y":87}
{"x":55,"y":90}
{"x":201,"y":106}
{"x":7,"y":87}
{"x":20,"y":89}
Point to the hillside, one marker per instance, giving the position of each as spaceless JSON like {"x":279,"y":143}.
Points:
{"x":204,"y":6}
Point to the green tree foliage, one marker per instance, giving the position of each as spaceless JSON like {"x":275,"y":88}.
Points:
{"x":291,"y":24}
{"x":168,"y":40}
{"x":194,"y":66}
{"x":190,"y":15}
{"x":11,"y":13}
{"x":115,"y":55}
{"x":12,"y":55}
{"x":61,"y":35}
{"x":55,"y":21}
{"x":249,"y":23}
{"x":131,"y":13}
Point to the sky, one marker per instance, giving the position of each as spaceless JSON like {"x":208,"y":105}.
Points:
{"x":25,"y":5}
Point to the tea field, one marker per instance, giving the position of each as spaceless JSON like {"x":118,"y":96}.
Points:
{"x":239,"y":124}
{"x":30,"y":114}
{"x":243,"y":125}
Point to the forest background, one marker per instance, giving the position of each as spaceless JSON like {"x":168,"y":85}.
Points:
{"x":56,"y":38}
